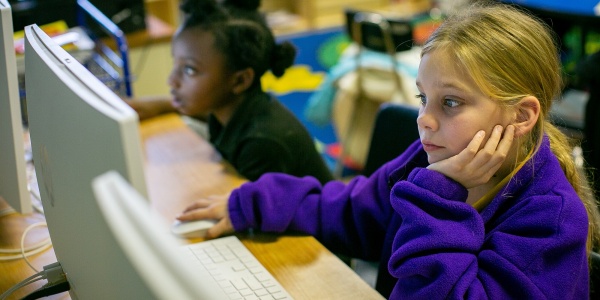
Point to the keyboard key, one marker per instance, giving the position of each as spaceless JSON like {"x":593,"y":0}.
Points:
{"x":238,"y":273}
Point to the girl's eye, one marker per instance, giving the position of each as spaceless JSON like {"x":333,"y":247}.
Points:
{"x":451,"y":102}
{"x":421,"y":98}
{"x":190,"y":71}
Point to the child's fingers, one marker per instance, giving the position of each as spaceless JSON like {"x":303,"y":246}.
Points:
{"x":476,"y":142}
{"x":492,"y":143}
{"x":200,"y":209}
{"x":197,"y":204}
{"x":472,"y":148}
{"x":456,"y":164}
{"x":196,"y":214}
{"x":497,"y":147}
{"x":489,"y":150}
{"x":476,"y":164}
{"x":214,"y":208}
{"x":222,"y":227}
{"x":507,"y":140}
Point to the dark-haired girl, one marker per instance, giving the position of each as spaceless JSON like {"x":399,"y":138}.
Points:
{"x":220,"y":52}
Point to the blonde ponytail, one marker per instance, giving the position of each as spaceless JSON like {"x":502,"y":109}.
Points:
{"x":562,"y":147}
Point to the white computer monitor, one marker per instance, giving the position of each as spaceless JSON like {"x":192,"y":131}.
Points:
{"x":147,"y":248}
{"x":79,"y":129}
{"x":13,"y":177}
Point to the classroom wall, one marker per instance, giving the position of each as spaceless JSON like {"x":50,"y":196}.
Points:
{"x":151,"y":65}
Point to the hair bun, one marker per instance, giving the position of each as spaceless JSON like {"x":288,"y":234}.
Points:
{"x":198,"y":7}
{"x":202,"y":11}
{"x":243,"y":4}
{"x":282,"y":58}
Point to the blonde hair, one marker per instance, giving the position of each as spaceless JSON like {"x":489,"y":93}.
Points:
{"x":511,"y":54}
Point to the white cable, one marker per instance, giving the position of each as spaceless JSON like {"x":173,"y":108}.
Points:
{"x":52,"y":272}
{"x":27,"y":254}
{"x":24,"y":253}
{"x":18,"y":286}
{"x":7,"y":211}
{"x":30,"y":248}
{"x":23,"y":243}
{"x":28,"y":280}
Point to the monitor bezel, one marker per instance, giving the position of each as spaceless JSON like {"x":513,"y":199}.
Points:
{"x":13,"y":165}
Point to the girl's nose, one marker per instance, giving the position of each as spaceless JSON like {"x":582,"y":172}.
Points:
{"x":426,"y":119}
{"x":172,"y":80}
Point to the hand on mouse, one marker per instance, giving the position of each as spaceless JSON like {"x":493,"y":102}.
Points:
{"x":474,"y":166}
{"x":213,"y":207}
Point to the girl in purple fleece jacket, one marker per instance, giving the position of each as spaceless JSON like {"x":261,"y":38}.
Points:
{"x":487,"y":204}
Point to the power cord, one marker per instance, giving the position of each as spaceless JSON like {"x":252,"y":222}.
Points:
{"x":28,"y":280}
{"x":31,"y":250}
{"x":7,"y":211}
{"x":57,"y":283}
{"x":25,"y":252}
{"x":48,"y":290}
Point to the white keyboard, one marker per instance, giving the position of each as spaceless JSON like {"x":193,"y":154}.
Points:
{"x":235,"y":268}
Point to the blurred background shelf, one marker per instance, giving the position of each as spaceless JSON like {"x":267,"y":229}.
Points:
{"x":166,"y":11}
{"x":318,"y":14}
{"x":291,"y":16}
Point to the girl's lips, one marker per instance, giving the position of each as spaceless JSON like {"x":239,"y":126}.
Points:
{"x":430,"y":147}
{"x":176,"y":102}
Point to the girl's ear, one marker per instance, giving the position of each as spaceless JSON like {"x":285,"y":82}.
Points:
{"x":527,"y":115}
{"x":242,"y":80}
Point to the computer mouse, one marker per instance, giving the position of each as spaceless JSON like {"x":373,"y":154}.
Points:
{"x":192,"y":229}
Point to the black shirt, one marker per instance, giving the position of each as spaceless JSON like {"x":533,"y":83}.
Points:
{"x":264,"y":136}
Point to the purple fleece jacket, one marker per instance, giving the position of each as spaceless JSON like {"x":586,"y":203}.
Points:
{"x":528,"y":243}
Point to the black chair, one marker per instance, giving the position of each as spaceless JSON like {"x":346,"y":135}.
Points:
{"x":594,"y":275}
{"x":379,"y":33}
{"x":588,"y":79}
{"x":395,"y":129}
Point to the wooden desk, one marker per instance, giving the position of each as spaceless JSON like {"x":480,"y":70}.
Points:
{"x":180,"y":167}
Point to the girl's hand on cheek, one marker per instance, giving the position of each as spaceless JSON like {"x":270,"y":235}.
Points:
{"x":473,"y":167}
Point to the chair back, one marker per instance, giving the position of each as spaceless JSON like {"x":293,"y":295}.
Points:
{"x":379,"y":33}
{"x":594,"y":275}
{"x":394,"y":130}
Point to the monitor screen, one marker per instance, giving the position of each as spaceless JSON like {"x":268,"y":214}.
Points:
{"x":79,"y":129}
{"x":13,"y":178}
{"x":149,"y":250}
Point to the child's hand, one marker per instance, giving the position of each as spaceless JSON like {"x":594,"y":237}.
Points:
{"x":213,"y":207}
{"x":148,"y":108}
{"x":473,"y":167}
